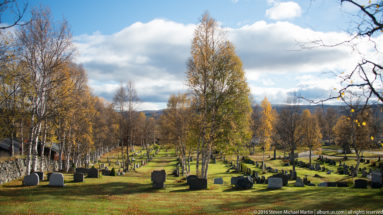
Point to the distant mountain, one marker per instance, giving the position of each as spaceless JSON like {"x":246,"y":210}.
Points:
{"x":153,"y":113}
{"x":378,"y":109}
{"x":279,"y":107}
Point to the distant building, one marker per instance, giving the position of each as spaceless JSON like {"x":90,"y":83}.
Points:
{"x":5,"y":147}
{"x":55,"y":150}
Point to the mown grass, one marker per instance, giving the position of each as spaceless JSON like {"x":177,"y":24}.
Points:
{"x":133,"y":194}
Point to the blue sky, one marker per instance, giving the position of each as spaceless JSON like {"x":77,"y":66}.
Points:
{"x":148,"y":42}
{"x":108,"y":17}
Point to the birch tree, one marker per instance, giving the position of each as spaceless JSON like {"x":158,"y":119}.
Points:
{"x":45,"y":49}
{"x":217,"y":82}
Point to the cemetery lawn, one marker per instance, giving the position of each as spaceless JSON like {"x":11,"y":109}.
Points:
{"x":133,"y":194}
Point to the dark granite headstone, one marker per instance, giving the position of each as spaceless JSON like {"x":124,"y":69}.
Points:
{"x":218,"y":181}
{"x":244,"y":182}
{"x":158,"y":178}
{"x":360,"y":183}
{"x":189,"y":178}
{"x":78,"y":177}
{"x":41,"y":175}
{"x":93,"y":173}
{"x":299,"y":182}
{"x":342,"y":184}
{"x":198,"y":184}
{"x":82,"y":170}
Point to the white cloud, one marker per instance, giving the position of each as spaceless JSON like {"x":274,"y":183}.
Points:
{"x":283,"y":10}
{"x":235,"y":1}
{"x":153,"y":55}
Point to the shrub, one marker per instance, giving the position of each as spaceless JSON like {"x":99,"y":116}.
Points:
{"x":113,"y":172}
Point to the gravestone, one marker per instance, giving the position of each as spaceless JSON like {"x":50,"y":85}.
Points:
{"x":285,"y":178}
{"x":274,"y":183}
{"x":198,"y":184}
{"x":331,"y":184}
{"x":376,"y":179}
{"x":317,"y":167}
{"x":364,"y":173}
{"x":105,"y":172}
{"x":78,"y":177}
{"x":293,"y":175}
{"x":244,"y":182}
{"x":31,"y":180}
{"x":41,"y":175}
{"x":342,"y":184}
{"x":189,"y":178}
{"x":93,"y":173}
{"x":305,"y":180}
{"x":218,"y":181}
{"x":234,"y":181}
{"x":81,"y":170}
{"x":323,"y":184}
{"x":263,"y":180}
{"x":49,"y":175}
{"x":360,"y":183}
{"x":255,"y":174}
{"x":299,"y":182}
{"x":102,"y":166}
{"x":158,"y":178}
{"x":56,"y":180}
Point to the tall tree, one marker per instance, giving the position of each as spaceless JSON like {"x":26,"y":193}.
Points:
{"x":175,"y":126}
{"x":287,"y":130}
{"x":119,"y":101}
{"x":265,"y":128}
{"x":310,"y":131}
{"x":45,"y":49}
{"x":217,"y":81}
{"x":356,"y":128}
{"x":255,"y":123}
{"x":132,"y":100}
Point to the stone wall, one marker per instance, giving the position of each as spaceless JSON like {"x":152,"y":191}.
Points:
{"x":16,"y":168}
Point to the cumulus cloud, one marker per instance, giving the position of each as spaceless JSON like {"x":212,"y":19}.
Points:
{"x":153,"y":55}
{"x":283,"y":10}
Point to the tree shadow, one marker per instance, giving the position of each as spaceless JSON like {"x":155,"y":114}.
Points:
{"x":113,"y":188}
{"x":290,"y":200}
{"x":231,"y":189}
{"x":182,"y":190}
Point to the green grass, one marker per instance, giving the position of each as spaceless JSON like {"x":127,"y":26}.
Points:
{"x":133,"y":194}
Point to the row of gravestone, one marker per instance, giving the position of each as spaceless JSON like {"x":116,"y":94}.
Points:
{"x":326,"y":160}
{"x":346,"y":170}
{"x":55,"y":179}
{"x":316,"y":167}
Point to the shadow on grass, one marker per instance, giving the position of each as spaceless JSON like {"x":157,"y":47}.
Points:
{"x":231,"y":189}
{"x":182,"y":190}
{"x":308,"y":199}
{"x":113,"y":188}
